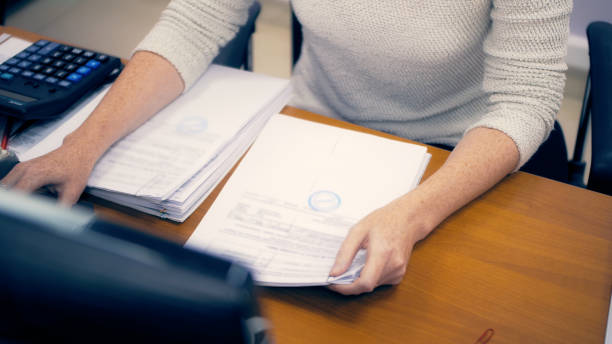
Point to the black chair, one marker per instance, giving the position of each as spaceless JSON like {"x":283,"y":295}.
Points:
{"x":596,"y":106}
{"x":237,"y":52}
{"x":296,"y":38}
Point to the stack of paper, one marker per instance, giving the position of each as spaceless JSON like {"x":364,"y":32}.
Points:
{"x":289,"y":205}
{"x":169,"y":165}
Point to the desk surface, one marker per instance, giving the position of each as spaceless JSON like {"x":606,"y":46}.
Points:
{"x":530,"y":259}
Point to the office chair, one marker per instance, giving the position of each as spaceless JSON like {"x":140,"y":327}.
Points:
{"x":296,"y":38}
{"x":237,"y":52}
{"x":596,"y":106}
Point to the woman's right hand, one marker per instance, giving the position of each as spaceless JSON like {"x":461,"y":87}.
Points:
{"x":64,"y":170}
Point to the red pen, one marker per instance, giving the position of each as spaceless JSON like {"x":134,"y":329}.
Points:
{"x":485,"y":337}
{"x":7,"y":132}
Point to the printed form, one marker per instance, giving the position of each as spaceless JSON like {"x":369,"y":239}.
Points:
{"x":302,"y":186}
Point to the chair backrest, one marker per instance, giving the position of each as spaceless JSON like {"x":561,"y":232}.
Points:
{"x":600,"y":50}
{"x":237,"y":52}
{"x":596,"y":108}
{"x":296,"y":38}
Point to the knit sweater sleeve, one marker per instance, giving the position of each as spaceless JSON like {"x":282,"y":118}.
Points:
{"x":190,"y":33}
{"x":525,"y":70}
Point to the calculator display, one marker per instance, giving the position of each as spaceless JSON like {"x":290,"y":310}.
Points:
{"x":17,"y":96}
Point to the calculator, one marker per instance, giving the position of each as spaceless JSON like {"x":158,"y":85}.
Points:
{"x":46,"y":78}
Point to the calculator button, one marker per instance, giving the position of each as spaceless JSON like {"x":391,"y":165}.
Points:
{"x":102,"y":58}
{"x":57,"y":54}
{"x":84,"y":70}
{"x":49,"y":48}
{"x":39,"y":76}
{"x":41,"y":43}
{"x":4,"y":68}
{"x":12,"y":61}
{"x":64,"y":83}
{"x":46,"y":60}
{"x":32,"y":49}
{"x":49,"y":70}
{"x":24,"y":64}
{"x":80,"y":60}
{"x":89,"y":54}
{"x":51,"y":80}
{"x":68,"y":57}
{"x":34,"y":57}
{"x":76,"y":51}
{"x":22,"y":55}
{"x":65,"y":48}
{"x":27,"y":73}
{"x":37,"y":68}
{"x":58,"y":64}
{"x":71,"y":67}
{"x":74,"y":77}
{"x":15,"y":70}
{"x":6,"y":76}
{"x":61,"y":74}
{"x":93,"y":64}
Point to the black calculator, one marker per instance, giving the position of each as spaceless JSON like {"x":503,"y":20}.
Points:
{"x":46,"y":78}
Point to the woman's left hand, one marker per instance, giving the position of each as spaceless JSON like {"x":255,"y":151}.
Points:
{"x":388,"y":234}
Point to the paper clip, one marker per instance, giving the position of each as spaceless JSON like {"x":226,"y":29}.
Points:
{"x":485,"y":337}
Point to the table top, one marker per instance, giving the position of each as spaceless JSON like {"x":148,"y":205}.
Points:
{"x":531,"y":259}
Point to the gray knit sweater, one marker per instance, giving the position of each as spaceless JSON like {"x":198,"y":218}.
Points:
{"x":425,"y":70}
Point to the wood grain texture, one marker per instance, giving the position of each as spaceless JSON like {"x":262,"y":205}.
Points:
{"x":531,"y":259}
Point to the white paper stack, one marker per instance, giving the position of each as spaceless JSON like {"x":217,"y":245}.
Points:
{"x":169,"y":165}
{"x":301,"y":187}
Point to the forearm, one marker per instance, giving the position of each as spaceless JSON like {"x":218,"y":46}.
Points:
{"x":481,"y":159}
{"x":147,"y":84}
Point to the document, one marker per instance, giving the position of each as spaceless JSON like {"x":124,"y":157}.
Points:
{"x":296,"y":194}
{"x":170,"y":148}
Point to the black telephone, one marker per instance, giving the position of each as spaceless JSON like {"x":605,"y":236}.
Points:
{"x":46,"y":78}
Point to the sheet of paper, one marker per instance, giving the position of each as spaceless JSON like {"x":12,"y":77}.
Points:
{"x":289,"y":205}
{"x":161,"y":155}
{"x":11,"y":47}
{"x":184,"y":201}
{"x":609,"y":328}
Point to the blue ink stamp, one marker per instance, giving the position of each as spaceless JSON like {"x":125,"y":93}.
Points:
{"x":192,"y":125}
{"x":324,"y":200}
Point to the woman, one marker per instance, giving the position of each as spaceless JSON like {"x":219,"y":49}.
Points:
{"x":485,"y":76}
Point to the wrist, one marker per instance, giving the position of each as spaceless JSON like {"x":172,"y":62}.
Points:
{"x":83,"y":148}
{"x":420,"y":214}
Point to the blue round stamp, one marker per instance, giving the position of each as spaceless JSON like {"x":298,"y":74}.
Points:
{"x":324,"y":200}
{"x":192,"y":125}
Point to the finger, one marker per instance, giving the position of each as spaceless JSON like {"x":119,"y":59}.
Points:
{"x":351,"y":244}
{"x":372,"y":272}
{"x":13,"y":176}
{"x":69,"y":195}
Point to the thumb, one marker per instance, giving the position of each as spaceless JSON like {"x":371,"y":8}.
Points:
{"x":351,"y":244}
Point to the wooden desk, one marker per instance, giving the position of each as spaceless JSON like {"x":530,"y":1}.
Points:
{"x":531,"y":259}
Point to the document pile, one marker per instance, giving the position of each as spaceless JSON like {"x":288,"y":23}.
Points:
{"x":289,"y":205}
{"x":169,"y":165}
